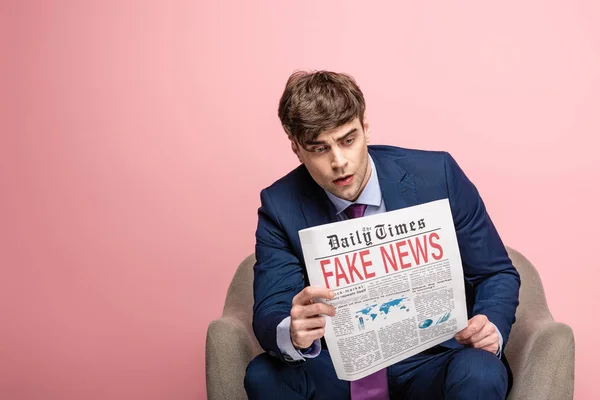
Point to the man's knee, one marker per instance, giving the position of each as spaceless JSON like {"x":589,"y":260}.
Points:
{"x":477,"y":372}
{"x":261,"y":374}
{"x":268,"y":377}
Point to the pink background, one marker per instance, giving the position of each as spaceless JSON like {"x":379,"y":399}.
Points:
{"x":136,"y":135}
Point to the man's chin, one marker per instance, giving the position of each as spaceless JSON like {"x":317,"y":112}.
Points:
{"x":348,"y":195}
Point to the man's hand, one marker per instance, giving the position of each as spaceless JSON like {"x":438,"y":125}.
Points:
{"x":306,"y":323}
{"x":480,"y":333}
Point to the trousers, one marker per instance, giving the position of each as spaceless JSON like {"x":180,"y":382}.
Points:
{"x":437,"y":373}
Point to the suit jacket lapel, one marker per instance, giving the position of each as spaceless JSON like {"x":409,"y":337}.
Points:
{"x":397,"y":187}
{"x":316,"y":207}
{"x":317,"y":210}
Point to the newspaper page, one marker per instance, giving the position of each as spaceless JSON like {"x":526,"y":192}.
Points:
{"x":398,"y":284}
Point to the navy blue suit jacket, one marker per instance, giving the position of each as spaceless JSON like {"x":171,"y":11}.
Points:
{"x":407,"y":178}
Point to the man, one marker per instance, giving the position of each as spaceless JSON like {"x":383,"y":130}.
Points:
{"x":323,"y":114}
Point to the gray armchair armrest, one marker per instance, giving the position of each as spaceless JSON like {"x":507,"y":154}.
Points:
{"x":540,"y":351}
{"x":230,"y":342}
{"x":229,"y":349}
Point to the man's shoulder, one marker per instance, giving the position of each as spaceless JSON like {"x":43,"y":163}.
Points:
{"x":402,"y":153}
{"x":414,"y":161}
{"x":295,"y":182}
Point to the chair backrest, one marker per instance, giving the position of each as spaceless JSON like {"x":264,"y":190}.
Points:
{"x":532,"y":301}
{"x":239,"y":299}
{"x":230,"y":341}
{"x":531,"y":295}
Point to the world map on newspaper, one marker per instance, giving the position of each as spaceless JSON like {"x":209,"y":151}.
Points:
{"x":373,"y":311}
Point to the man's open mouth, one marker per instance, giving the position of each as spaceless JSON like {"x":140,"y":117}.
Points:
{"x":344,"y":180}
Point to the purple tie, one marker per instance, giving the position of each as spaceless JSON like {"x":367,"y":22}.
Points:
{"x":355,"y":210}
{"x":374,"y":386}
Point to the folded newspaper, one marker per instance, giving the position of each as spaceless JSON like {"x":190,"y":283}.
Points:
{"x":398,"y":283}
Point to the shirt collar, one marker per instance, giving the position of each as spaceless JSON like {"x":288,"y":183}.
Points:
{"x":371,"y":194}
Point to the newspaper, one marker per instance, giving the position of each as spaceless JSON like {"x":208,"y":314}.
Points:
{"x":398,"y":284}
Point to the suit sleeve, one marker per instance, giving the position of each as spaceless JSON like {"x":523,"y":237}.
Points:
{"x":278,"y":277}
{"x":486,"y":264}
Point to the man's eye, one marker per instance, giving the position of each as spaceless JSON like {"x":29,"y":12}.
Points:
{"x":349,"y":141}
{"x":319,"y":149}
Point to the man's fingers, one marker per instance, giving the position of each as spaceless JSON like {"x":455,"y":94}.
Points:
{"x":475,"y":324}
{"x":304,"y":339}
{"x":491,"y":348}
{"x":307,"y":295}
{"x":480,"y":334}
{"x":308,"y":323}
{"x":311,"y":310}
{"x":489,"y":344}
{"x":484,"y":343}
{"x":487,"y":331}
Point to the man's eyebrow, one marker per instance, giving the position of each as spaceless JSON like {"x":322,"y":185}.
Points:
{"x":350,"y":132}
{"x":317,"y":142}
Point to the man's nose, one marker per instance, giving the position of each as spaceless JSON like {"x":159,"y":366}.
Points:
{"x":338,"y":161}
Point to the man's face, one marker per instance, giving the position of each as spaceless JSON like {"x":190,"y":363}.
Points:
{"x":338,"y":159}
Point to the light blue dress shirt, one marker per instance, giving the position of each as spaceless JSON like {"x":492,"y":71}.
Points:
{"x":371,"y":196}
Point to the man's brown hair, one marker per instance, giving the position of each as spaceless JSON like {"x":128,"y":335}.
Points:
{"x":314,"y":102}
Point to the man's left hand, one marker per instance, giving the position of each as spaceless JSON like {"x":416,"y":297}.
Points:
{"x":480,"y":333}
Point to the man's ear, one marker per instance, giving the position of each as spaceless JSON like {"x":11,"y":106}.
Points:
{"x":367,"y":129}
{"x":295,"y":149}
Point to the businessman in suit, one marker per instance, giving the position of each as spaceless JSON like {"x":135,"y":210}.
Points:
{"x":341,"y":177}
